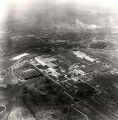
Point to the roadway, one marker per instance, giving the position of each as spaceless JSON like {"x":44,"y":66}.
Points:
{"x":94,"y":111}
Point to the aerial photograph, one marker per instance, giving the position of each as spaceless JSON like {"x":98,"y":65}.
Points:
{"x":58,"y":60}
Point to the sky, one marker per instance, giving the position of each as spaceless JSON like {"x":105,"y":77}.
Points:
{"x":109,"y":5}
{"x":100,"y":3}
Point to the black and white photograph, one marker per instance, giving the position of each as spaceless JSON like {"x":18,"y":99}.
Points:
{"x":58,"y":59}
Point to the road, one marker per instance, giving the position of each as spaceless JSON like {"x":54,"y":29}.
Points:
{"x":94,"y":111}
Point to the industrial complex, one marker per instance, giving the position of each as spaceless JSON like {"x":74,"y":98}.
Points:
{"x":70,"y":72}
